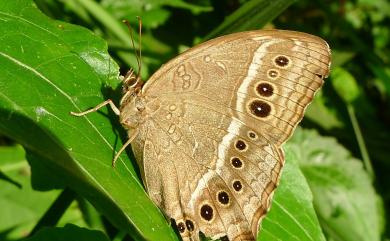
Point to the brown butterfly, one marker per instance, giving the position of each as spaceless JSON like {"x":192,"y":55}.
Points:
{"x":208,"y":126}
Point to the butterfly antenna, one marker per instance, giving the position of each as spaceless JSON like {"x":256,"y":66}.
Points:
{"x":132,"y":43}
{"x":140,"y":44}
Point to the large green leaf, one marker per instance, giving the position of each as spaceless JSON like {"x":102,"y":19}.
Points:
{"x":344,"y":198}
{"x":292,"y":216}
{"x":49,"y":68}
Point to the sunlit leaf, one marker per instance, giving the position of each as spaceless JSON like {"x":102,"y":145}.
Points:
{"x":344,"y":197}
{"x":66,"y":68}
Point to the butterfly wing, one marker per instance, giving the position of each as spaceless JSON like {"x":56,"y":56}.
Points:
{"x":282,"y":69}
{"x":218,"y":113}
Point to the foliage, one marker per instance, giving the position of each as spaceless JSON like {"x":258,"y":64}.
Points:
{"x":334,"y":190}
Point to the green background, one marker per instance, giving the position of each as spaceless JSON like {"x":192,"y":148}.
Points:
{"x":56,"y":179}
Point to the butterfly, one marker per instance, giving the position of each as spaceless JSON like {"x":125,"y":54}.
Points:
{"x":207,"y":128}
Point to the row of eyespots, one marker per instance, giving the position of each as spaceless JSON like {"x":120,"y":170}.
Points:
{"x":188,"y":224}
{"x":241,"y":146}
{"x":206,"y":211}
{"x":261,"y":108}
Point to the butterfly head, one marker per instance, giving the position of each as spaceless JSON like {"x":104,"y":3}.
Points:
{"x":132,"y":103}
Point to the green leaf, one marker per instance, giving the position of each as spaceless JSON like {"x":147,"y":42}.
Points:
{"x":320,"y":113}
{"x":43,"y":177}
{"x":345,"y":85}
{"x":195,"y":9}
{"x":344,"y":197}
{"x":19,"y":216}
{"x":292,"y":215}
{"x":155,"y":17}
{"x":152,"y":12}
{"x":382,"y":73}
{"x":252,"y":15}
{"x":69,"y":232}
{"x":11,"y":157}
{"x":340,"y":57}
{"x":132,"y":8}
{"x":50,"y":68}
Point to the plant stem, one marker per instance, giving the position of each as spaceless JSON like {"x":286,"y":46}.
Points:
{"x":360,"y":140}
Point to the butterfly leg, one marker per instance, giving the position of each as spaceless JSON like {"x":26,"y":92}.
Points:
{"x":107,"y":102}
{"x":128,"y":142}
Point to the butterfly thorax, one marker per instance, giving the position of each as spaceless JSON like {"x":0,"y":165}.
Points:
{"x":132,"y":111}
{"x":132,"y":105}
